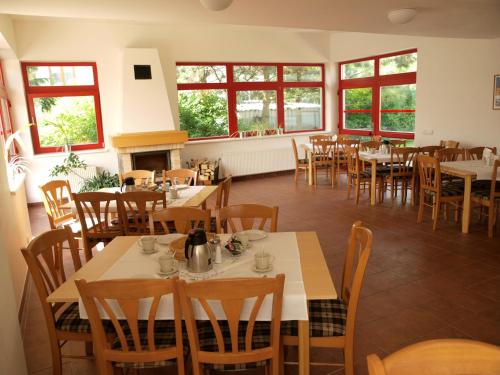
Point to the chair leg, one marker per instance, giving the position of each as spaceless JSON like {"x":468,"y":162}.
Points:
{"x":491,"y":219}
{"x":56,"y":358}
{"x":357,"y":190}
{"x":349,"y":186}
{"x":296,"y":174}
{"x":436,"y":215}
{"x":348,"y":360}
{"x":420,"y":216}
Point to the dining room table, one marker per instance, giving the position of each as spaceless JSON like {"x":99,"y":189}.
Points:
{"x":297,"y":254}
{"x":469,"y":170}
{"x":374,"y":158}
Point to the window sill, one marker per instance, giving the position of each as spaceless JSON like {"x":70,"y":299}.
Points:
{"x":256,"y":138}
{"x":64,"y":154}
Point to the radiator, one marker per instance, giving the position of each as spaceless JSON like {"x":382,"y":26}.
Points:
{"x":78,"y":177}
{"x":242,"y":163}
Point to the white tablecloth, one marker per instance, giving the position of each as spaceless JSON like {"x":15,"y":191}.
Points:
{"x":135,"y":264}
{"x":379,"y":156}
{"x":483,"y":172}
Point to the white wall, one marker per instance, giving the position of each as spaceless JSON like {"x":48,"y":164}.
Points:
{"x":454,"y":83}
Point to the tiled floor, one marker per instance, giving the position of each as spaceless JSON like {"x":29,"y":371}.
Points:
{"x":419,"y":284}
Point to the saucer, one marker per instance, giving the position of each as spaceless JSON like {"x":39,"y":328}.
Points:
{"x":171,"y":272}
{"x":268,"y":269}
{"x":149,"y":252}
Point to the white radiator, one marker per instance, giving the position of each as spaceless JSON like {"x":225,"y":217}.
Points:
{"x":78,"y":177}
{"x":242,"y":163}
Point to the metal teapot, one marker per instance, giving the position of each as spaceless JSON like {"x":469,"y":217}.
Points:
{"x":128,"y":185}
{"x":198,"y":252}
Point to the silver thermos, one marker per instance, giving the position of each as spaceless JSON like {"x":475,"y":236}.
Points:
{"x":198,"y":252}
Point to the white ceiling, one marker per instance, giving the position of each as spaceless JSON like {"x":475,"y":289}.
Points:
{"x":444,"y":18}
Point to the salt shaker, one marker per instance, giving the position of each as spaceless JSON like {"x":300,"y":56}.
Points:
{"x":218,"y":250}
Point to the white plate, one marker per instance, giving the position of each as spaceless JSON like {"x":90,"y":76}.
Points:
{"x":254,"y":234}
{"x":166,"y":239}
{"x":255,"y":269}
{"x":181,"y":186}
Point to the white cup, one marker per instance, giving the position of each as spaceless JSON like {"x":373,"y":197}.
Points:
{"x":263,"y":260}
{"x":148,"y":244}
{"x":167,"y":263}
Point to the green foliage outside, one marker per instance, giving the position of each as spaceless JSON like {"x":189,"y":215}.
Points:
{"x":100,"y":181}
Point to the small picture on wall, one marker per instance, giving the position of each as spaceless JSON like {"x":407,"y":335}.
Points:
{"x":496,"y":92}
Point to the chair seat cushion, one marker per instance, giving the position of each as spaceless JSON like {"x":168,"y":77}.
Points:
{"x":208,"y":342}
{"x":482,"y":189}
{"x":452,"y":188}
{"x":327,"y":318}
{"x":164,"y":338}
{"x":70,"y":321}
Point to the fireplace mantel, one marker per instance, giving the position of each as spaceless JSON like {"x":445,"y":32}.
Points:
{"x":127,"y":140}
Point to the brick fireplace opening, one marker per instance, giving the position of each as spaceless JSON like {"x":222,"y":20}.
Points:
{"x":151,"y":160}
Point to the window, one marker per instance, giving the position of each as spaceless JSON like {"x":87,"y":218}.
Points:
{"x":63,"y":103}
{"x":223,"y":99}
{"x":5,"y":119}
{"x":377,"y":95}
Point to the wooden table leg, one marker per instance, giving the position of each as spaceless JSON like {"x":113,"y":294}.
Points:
{"x":466,"y":208}
{"x":310,"y":170}
{"x":303,"y":347}
{"x":373,"y":193}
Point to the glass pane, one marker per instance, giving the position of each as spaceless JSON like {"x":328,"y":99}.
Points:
{"x":358,"y":100}
{"x":60,"y":75}
{"x":252,"y":73}
{"x":302,"y":74}
{"x":395,"y":99}
{"x":256,"y":110}
{"x":201,"y":74}
{"x":302,"y":108}
{"x":66,"y":120}
{"x":399,"y":64}
{"x":203,"y":113}
{"x":358,"y":69}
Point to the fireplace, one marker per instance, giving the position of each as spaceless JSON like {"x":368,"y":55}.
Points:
{"x":151,"y":160}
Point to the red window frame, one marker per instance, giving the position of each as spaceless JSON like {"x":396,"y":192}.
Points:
{"x":33,"y":92}
{"x":6,"y":128}
{"x":375,"y":83}
{"x":279,"y":86}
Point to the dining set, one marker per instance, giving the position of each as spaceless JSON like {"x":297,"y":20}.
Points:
{"x":143,"y":301}
{"x":438,"y":176}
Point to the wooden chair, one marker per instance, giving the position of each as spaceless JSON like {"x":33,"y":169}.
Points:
{"x":403,"y":160}
{"x":449,"y":144}
{"x":238,"y":342}
{"x":439,"y":357}
{"x":45,"y":265}
{"x":323,"y":157}
{"x":340,"y":157}
{"x":343,"y":137}
{"x":376,"y":138}
{"x":140,"y":176}
{"x":94,"y":214}
{"x":431,"y":184}
{"x":140,"y":343}
{"x":184,"y":176}
{"x":332,"y":322}
{"x":320,"y":137}
{"x":429,"y":150}
{"x":356,"y":176}
{"x":450,"y":154}
{"x":300,"y":164}
{"x":135,"y":207}
{"x":54,"y":194}
{"x":247,"y":214}
{"x":476,"y":153}
{"x":398,"y":142}
{"x":486,"y":193}
{"x":370,"y":145}
{"x":222,"y":200}
{"x":183,"y":218}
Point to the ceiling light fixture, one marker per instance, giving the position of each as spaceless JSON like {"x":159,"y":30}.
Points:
{"x":216,"y":5}
{"x":401,"y":16}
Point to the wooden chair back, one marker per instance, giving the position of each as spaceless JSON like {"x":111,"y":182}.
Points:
{"x":233,"y":295}
{"x":320,"y":137}
{"x":402,"y":161}
{"x":494,"y":193}
{"x":476,"y":153}
{"x":449,"y":144}
{"x":223,"y":192}
{"x":429,"y":150}
{"x":343,"y":137}
{"x":323,"y":152}
{"x":450,"y":154}
{"x":126,"y":295}
{"x":183,"y":218}
{"x":184,"y":176}
{"x":94,"y":214}
{"x":377,"y":138}
{"x":44,"y":258}
{"x":134,"y":208}
{"x":54,"y":194}
{"x":398,"y":142}
{"x":247,"y":215}
{"x":370,"y":145}
{"x":359,"y":248}
{"x":296,"y":152}
{"x":439,"y":357}
{"x":351,"y":154}
{"x":429,"y":173}
{"x":140,"y":176}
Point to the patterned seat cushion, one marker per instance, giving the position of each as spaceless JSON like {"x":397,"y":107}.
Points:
{"x":208,"y":342}
{"x":482,"y":189}
{"x":327,"y":318}
{"x":164,"y":338}
{"x":70,"y":321}
{"x":453,"y":188}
